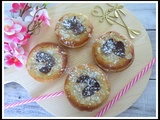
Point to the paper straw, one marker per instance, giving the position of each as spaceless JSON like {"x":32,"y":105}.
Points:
{"x":126,"y":88}
{"x":107,"y":107}
{"x":35,"y":99}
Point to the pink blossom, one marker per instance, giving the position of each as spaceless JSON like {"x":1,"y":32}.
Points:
{"x":10,"y":60}
{"x":11,"y":28}
{"x":15,"y":30}
{"x":41,"y":15}
{"x":21,"y":22}
{"x":23,"y":41}
{"x":18,"y":6}
{"x":14,"y":55}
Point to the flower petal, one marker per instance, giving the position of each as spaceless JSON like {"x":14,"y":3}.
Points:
{"x":12,"y":45}
{"x":7,"y":47}
{"x":18,"y":64}
{"x":19,"y":36}
{"x":16,"y":6}
{"x":19,"y":50}
{"x":7,"y":56}
{"x":8,"y":22}
{"x":10,"y":32}
{"x":17,"y":27}
{"x":22,"y":5}
{"x":8,"y":27}
{"x":8,"y":38}
{"x":33,"y":11}
{"x":46,"y":14}
{"x":27,"y":36}
{"x":13,"y":11}
{"x":28,"y":18}
{"x":24,"y":29}
{"x":6,"y":17}
{"x":19,"y":19}
{"x":9,"y":62}
{"x":22,"y":58}
{"x":23,"y":42}
{"x":16,"y":40}
{"x":47,"y":22}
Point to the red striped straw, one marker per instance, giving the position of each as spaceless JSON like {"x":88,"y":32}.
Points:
{"x":55,"y":94}
{"x":126,"y":88}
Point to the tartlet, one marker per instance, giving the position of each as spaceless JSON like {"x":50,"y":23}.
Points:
{"x":113,"y":52}
{"x":87,"y":87}
{"x":74,"y":30}
{"x":46,"y":61}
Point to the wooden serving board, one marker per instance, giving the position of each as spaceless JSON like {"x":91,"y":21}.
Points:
{"x":60,"y":106}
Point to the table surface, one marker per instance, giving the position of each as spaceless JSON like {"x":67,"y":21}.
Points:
{"x":145,"y":106}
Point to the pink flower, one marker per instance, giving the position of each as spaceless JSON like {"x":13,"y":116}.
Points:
{"x":10,"y":60}
{"x":14,"y":55}
{"x":18,"y":6}
{"x":15,"y":30}
{"x":41,"y":15}
{"x":23,"y":41}
{"x":11,"y":28}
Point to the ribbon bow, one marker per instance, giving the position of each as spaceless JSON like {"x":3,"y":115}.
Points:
{"x":116,"y":10}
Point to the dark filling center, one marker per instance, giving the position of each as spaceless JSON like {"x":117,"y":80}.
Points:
{"x":92,"y":85}
{"x":112,"y":46}
{"x":47,"y":59}
{"x":75,"y":25}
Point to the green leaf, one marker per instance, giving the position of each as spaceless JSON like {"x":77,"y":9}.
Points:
{"x":45,"y":4}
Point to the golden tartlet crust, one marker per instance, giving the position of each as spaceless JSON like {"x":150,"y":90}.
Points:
{"x":67,"y":37}
{"x":112,"y":62}
{"x":73,"y":90}
{"x":58,"y":68}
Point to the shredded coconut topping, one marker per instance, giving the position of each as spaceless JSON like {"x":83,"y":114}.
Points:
{"x":91,"y":85}
{"x":112,"y":46}
{"x":75,"y":25}
{"x":46,"y":59}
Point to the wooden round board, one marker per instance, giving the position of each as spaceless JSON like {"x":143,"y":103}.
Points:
{"x":59,"y":106}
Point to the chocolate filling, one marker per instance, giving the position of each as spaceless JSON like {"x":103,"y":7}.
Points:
{"x":75,"y":25}
{"x":47,"y":59}
{"x":112,"y":46}
{"x":92,"y":85}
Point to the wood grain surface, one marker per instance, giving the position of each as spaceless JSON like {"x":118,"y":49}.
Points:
{"x":137,"y":112}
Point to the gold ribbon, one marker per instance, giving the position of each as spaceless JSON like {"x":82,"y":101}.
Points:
{"x":117,"y":11}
